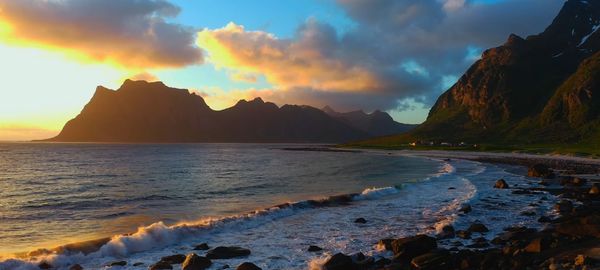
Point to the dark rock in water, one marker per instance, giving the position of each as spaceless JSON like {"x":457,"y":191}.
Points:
{"x":544,"y":219}
{"x":314,"y":249}
{"x":227,"y":252}
{"x":465,"y":208}
{"x":436,"y":260}
{"x":386,"y":243}
{"x":248,"y":266}
{"x":479,"y":243}
{"x":382,"y":261}
{"x":478,"y":227}
{"x":225,"y":266}
{"x":405,"y":249}
{"x":360,"y":220}
{"x":161,"y":265}
{"x":119,"y":263}
{"x":463,"y":234}
{"x":44,"y":265}
{"x":195,"y":262}
{"x":501,"y":184}
{"x":447,"y":232}
{"x":564,"y":207}
{"x":340,"y":261}
{"x":76,"y":267}
{"x":528,"y":213}
{"x":595,"y":190}
{"x":203,"y":246}
{"x":451,"y":188}
{"x":138,"y":264}
{"x":174,"y":259}
{"x":540,"y":170}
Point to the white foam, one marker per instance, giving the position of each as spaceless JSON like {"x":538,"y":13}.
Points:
{"x":374,"y":193}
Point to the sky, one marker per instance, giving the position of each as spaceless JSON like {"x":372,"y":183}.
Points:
{"x":393,"y":55}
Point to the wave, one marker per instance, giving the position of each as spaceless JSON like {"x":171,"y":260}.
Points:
{"x":159,"y":234}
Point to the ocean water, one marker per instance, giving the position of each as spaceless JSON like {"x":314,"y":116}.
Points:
{"x":158,"y":200}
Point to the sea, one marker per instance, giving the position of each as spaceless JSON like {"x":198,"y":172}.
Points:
{"x":139,"y":202}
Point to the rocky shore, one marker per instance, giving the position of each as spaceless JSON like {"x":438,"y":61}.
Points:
{"x":570,"y":241}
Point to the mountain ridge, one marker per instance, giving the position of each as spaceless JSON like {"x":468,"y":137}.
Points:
{"x":141,"y":111}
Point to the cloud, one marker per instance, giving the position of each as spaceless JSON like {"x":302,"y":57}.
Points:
{"x":128,"y":33}
{"x":145,"y":76}
{"x":398,"y":50}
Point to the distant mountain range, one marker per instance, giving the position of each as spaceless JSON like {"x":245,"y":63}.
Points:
{"x":542,"y":89}
{"x":140,"y":111}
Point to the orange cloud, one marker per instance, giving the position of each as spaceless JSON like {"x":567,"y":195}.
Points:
{"x":301,"y":63}
{"x":127,"y":33}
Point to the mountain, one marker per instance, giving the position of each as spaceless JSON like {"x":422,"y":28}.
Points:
{"x":140,"y":111}
{"x":377,"y":123}
{"x":541,"y":89}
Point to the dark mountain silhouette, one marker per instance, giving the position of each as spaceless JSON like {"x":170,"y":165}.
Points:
{"x":377,"y":123}
{"x":542,"y":89}
{"x":152,"y":112}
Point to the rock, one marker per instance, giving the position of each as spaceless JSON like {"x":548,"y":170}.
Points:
{"x":385,"y":243}
{"x":581,"y":226}
{"x":203,"y":246}
{"x":465,"y":208}
{"x":436,"y":260}
{"x":248,"y":266}
{"x":479,"y":243}
{"x":582,"y":260}
{"x":195,"y":262}
{"x":118,"y":263}
{"x":161,"y":265}
{"x":405,"y":249}
{"x":339,"y":261}
{"x":138,"y":264}
{"x":44,"y":265}
{"x":360,"y":220}
{"x":595,"y":190}
{"x":463,"y":234}
{"x":540,"y":170}
{"x":537,"y":245}
{"x":227,"y":252}
{"x":451,"y":188}
{"x":564,"y":206}
{"x":314,"y":249}
{"x":528,"y":213}
{"x":478,"y":227}
{"x":501,"y":184}
{"x":76,"y":267}
{"x":447,"y":232}
{"x":174,"y":259}
{"x":544,"y":219}
{"x":573,"y":181}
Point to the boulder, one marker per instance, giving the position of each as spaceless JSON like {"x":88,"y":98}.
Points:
{"x":203,"y":246}
{"x":138,"y":264}
{"x":386,"y":243}
{"x":436,"y":260}
{"x":248,"y":266}
{"x":564,"y":206}
{"x":405,"y":249}
{"x":540,"y":170}
{"x":501,"y":184}
{"x":161,"y":265}
{"x":314,"y":248}
{"x":195,"y":262}
{"x":465,"y":208}
{"x":537,"y":245}
{"x":227,"y":252}
{"x":76,"y":267}
{"x":595,"y":190}
{"x":463,"y":234}
{"x":544,"y":219}
{"x":478,"y":228}
{"x":572,"y":181}
{"x":340,"y":261}
{"x":174,"y":259}
{"x":581,"y":226}
{"x":118,"y":263}
{"x":479,"y":243}
{"x":446,"y":232}
{"x":360,"y":220}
